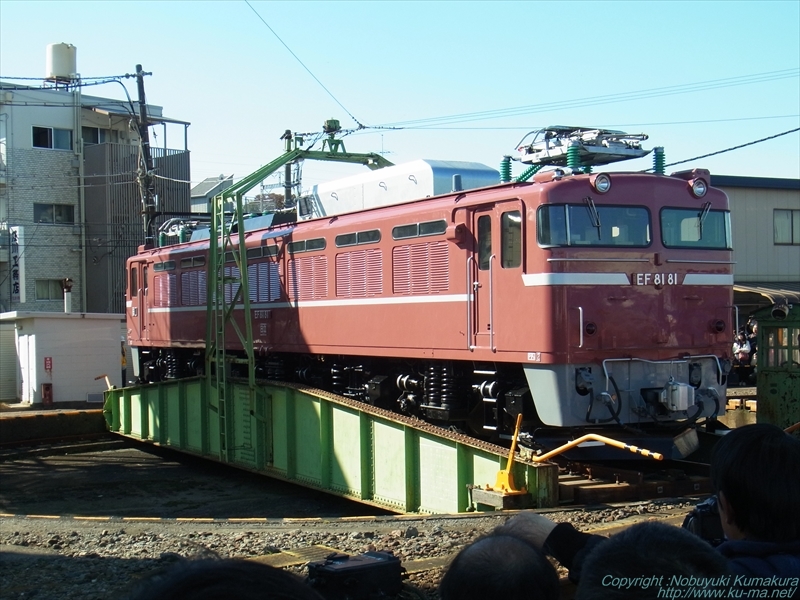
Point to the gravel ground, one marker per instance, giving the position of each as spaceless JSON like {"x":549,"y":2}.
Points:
{"x":75,"y":559}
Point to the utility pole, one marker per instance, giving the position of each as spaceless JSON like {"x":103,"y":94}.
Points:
{"x":287,"y":170}
{"x":145,"y":174}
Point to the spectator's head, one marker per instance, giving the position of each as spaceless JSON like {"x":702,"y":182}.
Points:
{"x":224,"y":579}
{"x":500,"y":566}
{"x":755,"y":471}
{"x":648,"y":551}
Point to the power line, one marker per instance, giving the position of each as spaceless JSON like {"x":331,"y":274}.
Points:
{"x":602,"y":126}
{"x":360,"y":126}
{"x":595,"y":100}
{"x":772,"y":137}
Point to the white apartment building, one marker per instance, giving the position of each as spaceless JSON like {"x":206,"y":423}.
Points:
{"x":70,"y":204}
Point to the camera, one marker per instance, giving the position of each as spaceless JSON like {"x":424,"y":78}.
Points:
{"x":704,"y":522}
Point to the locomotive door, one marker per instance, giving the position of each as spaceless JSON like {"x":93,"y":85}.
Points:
{"x":138,"y":292}
{"x":494,"y":271}
{"x":480,"y":266}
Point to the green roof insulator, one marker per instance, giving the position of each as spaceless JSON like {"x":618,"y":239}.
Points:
{"x":658,"y":160}
{"x":528,"y":173}
{"x":587,"y":169}
{"x":162,"y":239}
{"x":574,"y":156}
{"x":185,"y":234}
{"x":505,"y":169}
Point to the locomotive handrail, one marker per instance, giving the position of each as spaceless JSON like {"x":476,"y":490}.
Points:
{"x":471,"y":302}
{"x":470,"y":291}
{"x":736,"y":308}
{"x":580,"y":325}
{"x":604,"y":260}
{"x":705,"y":262}
{"x":491,"y":304}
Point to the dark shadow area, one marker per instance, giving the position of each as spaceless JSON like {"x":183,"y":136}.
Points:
{"x":139,"y":480}
{"x":54,"y":576}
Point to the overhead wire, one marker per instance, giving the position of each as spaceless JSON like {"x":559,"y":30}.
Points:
{"x":601,"y":125}
{"x":302,"y":64}
{"x":595,"y":100}
{"x":771,"y":137}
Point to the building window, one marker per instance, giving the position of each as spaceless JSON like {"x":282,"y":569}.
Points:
{"x":94,"y":135}
{"x":49,"y":289}
{"x":54,"y":214}
{"x":787,"y":226}
{"x":52,"y":137}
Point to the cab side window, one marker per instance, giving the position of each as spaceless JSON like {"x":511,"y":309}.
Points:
{"x":134,"y":286}
{"x":511,"y":239}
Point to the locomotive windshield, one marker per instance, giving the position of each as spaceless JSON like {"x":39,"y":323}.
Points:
{"x":696,"y":228}
{"x":588,"y":224}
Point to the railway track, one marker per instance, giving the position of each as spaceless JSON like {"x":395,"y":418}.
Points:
{"x":599,"y":483}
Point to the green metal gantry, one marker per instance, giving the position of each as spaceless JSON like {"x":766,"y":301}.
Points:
{"x":222,"y":241}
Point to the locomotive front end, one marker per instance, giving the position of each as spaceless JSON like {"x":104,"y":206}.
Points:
{"x":640,"y":268}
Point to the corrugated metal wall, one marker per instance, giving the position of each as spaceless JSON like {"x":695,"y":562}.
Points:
{"x":114,"y":227}
{"x":757,"y":256}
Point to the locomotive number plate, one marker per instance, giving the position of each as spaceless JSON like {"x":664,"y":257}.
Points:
{"x":655,"y":279}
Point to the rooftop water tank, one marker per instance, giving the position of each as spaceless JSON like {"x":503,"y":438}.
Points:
{"x":61,"y":62}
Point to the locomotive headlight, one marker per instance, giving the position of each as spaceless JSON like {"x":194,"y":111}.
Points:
{"x":600,"y":182}
{"x":699,"y":187}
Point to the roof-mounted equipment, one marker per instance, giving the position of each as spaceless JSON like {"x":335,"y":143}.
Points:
{"x":551,"y":146}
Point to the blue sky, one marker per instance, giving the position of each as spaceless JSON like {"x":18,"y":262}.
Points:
{"x":217,"y":65}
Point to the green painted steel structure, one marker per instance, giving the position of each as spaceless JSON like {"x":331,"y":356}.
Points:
{"x":322,"y":441}
{"x":225,"y":228}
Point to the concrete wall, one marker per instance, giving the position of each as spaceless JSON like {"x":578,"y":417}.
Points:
{"x":82,"y":346}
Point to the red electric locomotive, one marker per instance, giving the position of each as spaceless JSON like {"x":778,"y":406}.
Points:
{"x":581,"y":300}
